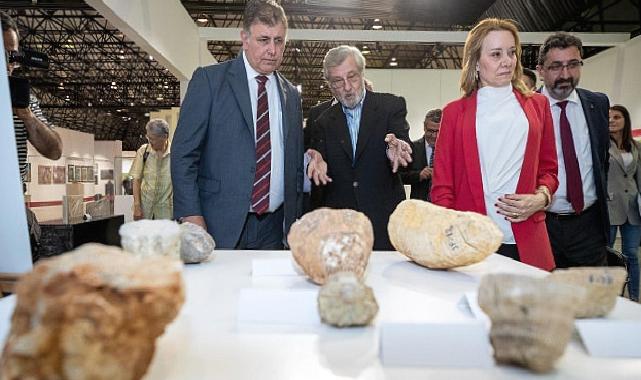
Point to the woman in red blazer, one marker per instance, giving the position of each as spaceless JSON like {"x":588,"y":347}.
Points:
{"x":495,"y":152}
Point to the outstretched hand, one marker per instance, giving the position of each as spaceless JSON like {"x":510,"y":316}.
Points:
{"x":317,"y":168}
{"x":399,"y":152}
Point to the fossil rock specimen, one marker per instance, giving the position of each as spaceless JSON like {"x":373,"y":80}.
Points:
{"x":345,"y":300}
{"x":93,"y":313}
{"x":532,"y":319}
{"x":151,"y":238}
{"x":326,"y":241}
{"x":196,"y":245}
{"x":602,"y":286}
{"x":436,"y":237}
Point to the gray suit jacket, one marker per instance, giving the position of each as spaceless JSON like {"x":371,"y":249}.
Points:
{"x":623,"y":187}
{"x":213,"y":151}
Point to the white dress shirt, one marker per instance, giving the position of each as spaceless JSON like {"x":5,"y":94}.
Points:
{"x":277,"y":176}
{"x":583,"y":148}
{"x":501,"y":136}
{"x":428,"y":153}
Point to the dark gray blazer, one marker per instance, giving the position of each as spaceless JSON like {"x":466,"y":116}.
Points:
{"x":412,"y":177}
{"x":213,"y":151}
{"x":623,"y":187}
{"x":595,"y":108}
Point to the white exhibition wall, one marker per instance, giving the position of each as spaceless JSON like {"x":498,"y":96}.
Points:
{"x":617,"y":73}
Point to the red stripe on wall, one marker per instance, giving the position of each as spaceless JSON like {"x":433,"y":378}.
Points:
{"x":53,"y":203}
{"x":636,"y":132}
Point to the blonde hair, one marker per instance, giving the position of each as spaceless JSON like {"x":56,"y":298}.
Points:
{"x":472,"y":53}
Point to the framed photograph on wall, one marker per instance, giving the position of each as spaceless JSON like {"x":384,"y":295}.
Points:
{"x":71,"y":173}
{"x":90,"y":174}
{"x":77,"y":173}
{"x":59,"y":174}
{"x":44,"y":174}
{"x":84,"y":174}
{"x":107,"y":174}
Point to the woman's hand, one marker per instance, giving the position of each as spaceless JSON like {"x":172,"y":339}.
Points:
{"x":519,"y":207}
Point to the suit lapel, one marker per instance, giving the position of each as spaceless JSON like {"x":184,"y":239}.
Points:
{"x":589,"y":109}
{"x":525,"y":184}
{"x":368,"y":118}
{"x":239,"y":85}
{"x":421,"y":154}
{"x":616,"y":154}
{"x":283,"y":104}
{"x":337,"y":121}
{"x":472,"y":164}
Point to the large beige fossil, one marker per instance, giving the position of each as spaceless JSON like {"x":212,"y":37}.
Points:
{"x":326,"y":241}
{"x":151,"y":238}
{"x":345,"y":301}
{"x":196,"y":245}
{"x":602,"y":286}
{"x":93,"y":313}
{"x":532,"y":319}
{"x":436,"y":237}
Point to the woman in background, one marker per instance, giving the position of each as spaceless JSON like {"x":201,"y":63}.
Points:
{"x":623,"y":192}
{"x":495,"y":153}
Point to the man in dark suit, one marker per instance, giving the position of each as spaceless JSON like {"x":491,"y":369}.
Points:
{"x":577,"y":219}
{"x":237,"y":155}
{"x":419,"y":176}
{"x":363,"y":139}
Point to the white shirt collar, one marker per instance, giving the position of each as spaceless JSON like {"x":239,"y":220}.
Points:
{"x":573,"y":97}
{"x":251,"y":73}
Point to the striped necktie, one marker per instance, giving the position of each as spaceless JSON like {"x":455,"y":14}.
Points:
{"x":260,"y":193}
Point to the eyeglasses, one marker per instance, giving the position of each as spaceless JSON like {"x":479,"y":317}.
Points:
{"x":431,"y":131}
{"x":339,"y":83}
{"x":558,"y":67}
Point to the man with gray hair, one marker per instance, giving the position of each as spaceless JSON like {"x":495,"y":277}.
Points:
{"x":151,"y":174}
{"x":364,"y":139}
{"x":237,"y":160}
{"x":420,"y":174}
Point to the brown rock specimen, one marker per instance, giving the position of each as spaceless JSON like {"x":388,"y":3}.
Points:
{"x":93,"y":313}
{"x":436,"y":237}
{"x":196,"y":244}
{"x":532,"y":319}
{"x":345,"y":301}
{"x":602,"y":286}
{"x":326,"y":241}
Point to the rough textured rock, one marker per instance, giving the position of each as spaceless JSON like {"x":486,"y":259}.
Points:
{"x":436,"y":237}
{"x":532,"y":319}
{"x":151,"y":238}
{"x":326,"y":241}
{"x":196,"y":245}
{"x":93,"y":313}
{"x":602,"y":286}
{"x":345,"y":301}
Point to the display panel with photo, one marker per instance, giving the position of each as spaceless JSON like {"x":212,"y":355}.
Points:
{"x":77,"y":173}
{"x":71,"y":174}
{"x":59,"y":174}
{"x":84,"y":176}
{"x":107,"y":174}
{"x":44,"y":174}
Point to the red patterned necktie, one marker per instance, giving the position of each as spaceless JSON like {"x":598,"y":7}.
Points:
{"x":260,"y":193}
{"x":572,"y":171}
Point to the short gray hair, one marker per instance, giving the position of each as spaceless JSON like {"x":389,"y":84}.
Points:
{"x":157,"y":127}
{"x":434,"y":115}
{"x":336,"y":56}
{"x":267,"y":12}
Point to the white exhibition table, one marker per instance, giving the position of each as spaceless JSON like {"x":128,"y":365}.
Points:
{"x":206,"y":341}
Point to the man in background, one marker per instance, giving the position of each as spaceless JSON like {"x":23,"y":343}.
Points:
{"x":419,"y":176}
{"x":151,"y":174}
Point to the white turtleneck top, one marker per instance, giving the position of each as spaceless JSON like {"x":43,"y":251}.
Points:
{"x":501,"y":135}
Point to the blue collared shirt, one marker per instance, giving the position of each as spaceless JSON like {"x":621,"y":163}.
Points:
{"x":353,"y":116}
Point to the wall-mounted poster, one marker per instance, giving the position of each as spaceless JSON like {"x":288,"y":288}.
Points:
{"x":44,"y":174}
{"x":59,"y":174}
{"x":90,"y":172}
{"x":27,"y":174}
{"x":71,"y":174}
{"x":84,"y":174}
{"x":107,"y":174}
{"x":77,"y":173}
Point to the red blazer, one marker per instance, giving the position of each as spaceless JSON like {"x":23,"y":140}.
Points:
{"x":457,"y":182}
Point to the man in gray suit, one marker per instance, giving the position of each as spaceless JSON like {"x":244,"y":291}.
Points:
{"x":237,"y":155}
